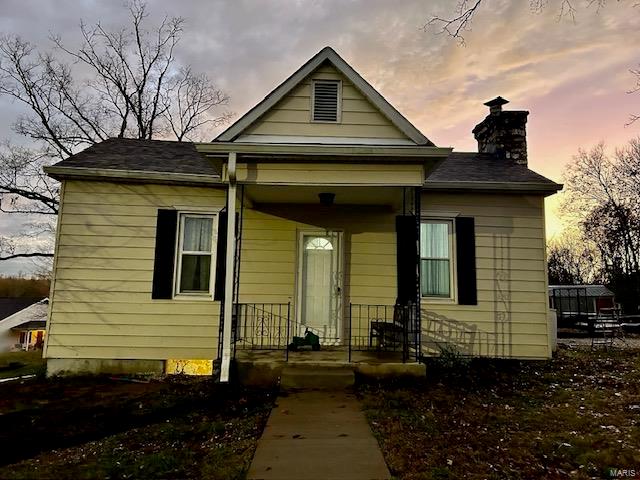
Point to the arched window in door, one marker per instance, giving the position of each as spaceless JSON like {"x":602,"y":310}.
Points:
{"x":318,"y":243}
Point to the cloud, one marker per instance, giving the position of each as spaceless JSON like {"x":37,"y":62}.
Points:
{"x":572,"y":77}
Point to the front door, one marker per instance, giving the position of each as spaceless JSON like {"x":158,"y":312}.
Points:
{"x":320,"y":285}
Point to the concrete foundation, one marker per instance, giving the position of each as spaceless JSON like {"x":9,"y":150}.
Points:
{"x":96,"y":366}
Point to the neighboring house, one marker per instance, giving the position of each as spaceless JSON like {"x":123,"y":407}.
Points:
{"x":578,"y":302}
{"x":347,"y":221}
{"x":22,"y":323}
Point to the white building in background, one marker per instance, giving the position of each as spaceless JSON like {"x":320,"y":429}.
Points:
{"x":24,"y":329}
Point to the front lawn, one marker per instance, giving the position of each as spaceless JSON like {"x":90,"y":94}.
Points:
{"x":575,"y":416}
{"x":97,"y":427}
{"x":17,"y":364}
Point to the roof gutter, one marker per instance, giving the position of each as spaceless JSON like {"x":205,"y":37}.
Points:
{"x":519,"y":187}
{"x":222,"y":149}
{"x":60,"y":173}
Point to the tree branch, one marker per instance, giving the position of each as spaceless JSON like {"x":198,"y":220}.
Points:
{"x":27,"y":255}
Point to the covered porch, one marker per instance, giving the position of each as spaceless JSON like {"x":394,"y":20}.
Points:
{"x":317,"y":275}
{"x":323,"y":252}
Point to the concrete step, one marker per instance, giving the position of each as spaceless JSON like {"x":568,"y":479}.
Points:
{"x":321,"y":378}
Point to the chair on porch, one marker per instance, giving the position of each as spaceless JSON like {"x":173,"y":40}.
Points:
{"x":391,"y":335}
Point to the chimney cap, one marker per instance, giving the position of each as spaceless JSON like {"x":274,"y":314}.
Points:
{"x":496,"y":102}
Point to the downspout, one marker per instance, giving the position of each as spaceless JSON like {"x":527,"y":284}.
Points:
{"x":228,"y":280}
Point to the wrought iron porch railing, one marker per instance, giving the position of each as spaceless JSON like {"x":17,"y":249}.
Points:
{"x":368,"y":328}
{"x":261,"y":326}
{"x":385,"y":328}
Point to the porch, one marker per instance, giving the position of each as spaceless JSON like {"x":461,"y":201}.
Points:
{"x":321,"y":235}
{"x":326,"y":270}
{"x":379,"y":341}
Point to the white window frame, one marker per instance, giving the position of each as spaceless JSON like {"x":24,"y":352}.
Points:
{"x":180,"y":252}
{"x":453,"y":294}
{"x":313,"y":96}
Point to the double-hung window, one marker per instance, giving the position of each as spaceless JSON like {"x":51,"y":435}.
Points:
{"x":436,"y":259}
{"x":195,"y":263}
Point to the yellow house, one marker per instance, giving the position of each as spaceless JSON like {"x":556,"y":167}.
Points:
{"x":351,"y":233}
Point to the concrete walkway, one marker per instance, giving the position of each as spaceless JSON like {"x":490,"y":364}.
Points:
{"x":317,"y":435}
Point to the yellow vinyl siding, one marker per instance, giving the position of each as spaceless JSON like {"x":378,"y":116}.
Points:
{"x":101,"y":304}
{"x":510,"y":319}
{"x":269,"y":252}
{"x":330,"y":173}
{"x":292,"y":115}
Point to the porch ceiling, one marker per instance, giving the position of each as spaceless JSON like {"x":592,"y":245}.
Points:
{"x":297,"y":194}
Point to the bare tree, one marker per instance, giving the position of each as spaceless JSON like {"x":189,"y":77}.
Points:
{"x":603,"y":202}
{"x":119,"y":83}
{"x":572,"y":261}
{"x":462,"y":17}
{"x":634,"y":117}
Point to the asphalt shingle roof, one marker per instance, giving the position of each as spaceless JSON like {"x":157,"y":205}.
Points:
{"x":122,"y":154}
{"x":483,"y":167}
{"x":11,"y":305}
{"x":143,"y":155}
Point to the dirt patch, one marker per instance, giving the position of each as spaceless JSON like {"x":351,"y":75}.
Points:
{"x":575,"y":416}
{"x":102,"y":428}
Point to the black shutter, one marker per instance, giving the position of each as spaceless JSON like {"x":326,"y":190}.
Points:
{"x":165,"y":252}
{"x":221,"y":257}
{"x":466,"y":261}
{"x":407,"y":258}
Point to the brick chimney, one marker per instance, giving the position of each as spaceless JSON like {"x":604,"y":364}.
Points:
{"x":503,"y":132}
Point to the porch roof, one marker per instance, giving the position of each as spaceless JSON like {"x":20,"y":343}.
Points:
{"x":326,"y":151}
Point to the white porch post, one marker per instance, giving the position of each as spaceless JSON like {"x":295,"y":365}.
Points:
{"x":228,"y":281}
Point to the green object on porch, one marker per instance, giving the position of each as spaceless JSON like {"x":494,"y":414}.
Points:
{"x":310,"y":339}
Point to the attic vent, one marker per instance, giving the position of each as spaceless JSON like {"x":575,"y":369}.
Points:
{"x":326,"y":101}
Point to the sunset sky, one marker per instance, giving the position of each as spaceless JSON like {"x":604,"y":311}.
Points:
{"x":572,"y":76}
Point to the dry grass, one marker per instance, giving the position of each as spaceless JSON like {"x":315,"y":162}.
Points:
{"x":92,"y":428}
{"x":17,"y":364}
{"x":575,"y":416}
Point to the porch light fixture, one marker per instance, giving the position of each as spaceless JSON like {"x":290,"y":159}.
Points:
{"x":327,"y":198}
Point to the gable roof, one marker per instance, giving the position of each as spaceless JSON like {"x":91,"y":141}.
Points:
{"x":11,"y":305}
{"x":324,"y":55}
{"x":35,"y":312}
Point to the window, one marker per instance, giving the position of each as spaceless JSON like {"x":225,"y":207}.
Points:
{"x":436,"y":262}
{"x":318,"y":243}
{"x":325,"y":102}
{"x":196,"y":254}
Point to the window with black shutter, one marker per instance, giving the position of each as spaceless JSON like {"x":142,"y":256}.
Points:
{"x":448,"y":259}
{"x":186,"y":253}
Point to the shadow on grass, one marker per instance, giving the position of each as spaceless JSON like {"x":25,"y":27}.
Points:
{"x":38,"y":416}
{"x":571,"y":416}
